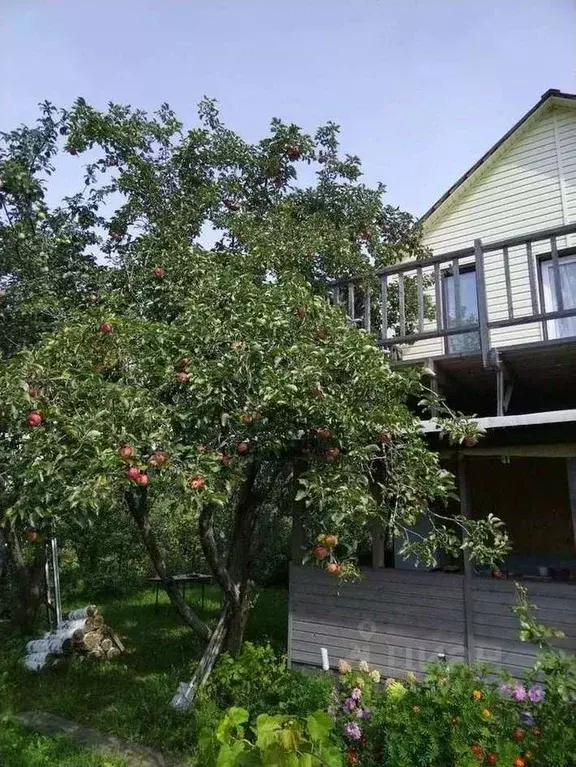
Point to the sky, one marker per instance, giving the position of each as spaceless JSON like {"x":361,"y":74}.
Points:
{"x":421,"y":88}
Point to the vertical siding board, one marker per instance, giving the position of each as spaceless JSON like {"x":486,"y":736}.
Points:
{"x":508,"y":283}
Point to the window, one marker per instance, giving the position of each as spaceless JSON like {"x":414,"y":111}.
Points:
{"x":561,"y":328}
{"x":462,"y":343}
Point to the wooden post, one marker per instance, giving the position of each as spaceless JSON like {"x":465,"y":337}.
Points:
{"x":378,"y":544}
{"x":482,"y":304}
{"x":571,"y":467}
{"x":468,"y":606}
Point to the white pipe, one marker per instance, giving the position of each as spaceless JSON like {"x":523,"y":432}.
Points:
{"x":325,"y":661}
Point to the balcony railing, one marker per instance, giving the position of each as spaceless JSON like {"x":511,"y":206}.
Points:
{"x":524,"y":280}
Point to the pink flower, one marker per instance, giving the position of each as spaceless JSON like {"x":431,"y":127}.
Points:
{"x":349,"y":705}
{"x":519,"y":692}
{"x":352,"y":731}
{"x":356,"y":693}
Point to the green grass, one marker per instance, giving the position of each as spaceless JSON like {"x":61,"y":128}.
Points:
{"x":130,"y":697}
{"x":21,"y":748}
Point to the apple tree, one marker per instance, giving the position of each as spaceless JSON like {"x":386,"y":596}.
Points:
{"x":217,"y":376}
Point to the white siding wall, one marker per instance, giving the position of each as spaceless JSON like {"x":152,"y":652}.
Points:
{"x":529,"y":186}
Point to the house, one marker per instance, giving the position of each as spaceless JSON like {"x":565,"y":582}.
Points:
{"x":495,"y":320}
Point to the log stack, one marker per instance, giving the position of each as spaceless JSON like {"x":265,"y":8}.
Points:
{"x":83,"y":634}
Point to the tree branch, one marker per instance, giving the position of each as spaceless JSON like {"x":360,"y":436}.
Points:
{"x":138,"y":508}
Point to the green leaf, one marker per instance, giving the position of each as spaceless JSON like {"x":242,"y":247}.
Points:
{"x":320,"y":725}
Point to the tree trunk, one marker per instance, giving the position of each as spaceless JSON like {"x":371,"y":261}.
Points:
{"x":138,"y":508}
{"x":236,"y":624}
{"x":28,"y":581}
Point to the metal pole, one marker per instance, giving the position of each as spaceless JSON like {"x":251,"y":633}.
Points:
{"x":56,"y":576}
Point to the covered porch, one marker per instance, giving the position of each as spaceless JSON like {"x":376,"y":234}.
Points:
{"x":402,"y":617}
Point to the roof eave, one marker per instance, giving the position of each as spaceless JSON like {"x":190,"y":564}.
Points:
{"x":552,"y":97}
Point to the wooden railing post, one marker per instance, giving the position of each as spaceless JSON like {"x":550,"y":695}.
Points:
{"x":482,"y":303}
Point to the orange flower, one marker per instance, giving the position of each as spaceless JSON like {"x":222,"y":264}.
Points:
{"x":487,"y":713}
{"x":477,"y":695}
{"x":416,"y":709}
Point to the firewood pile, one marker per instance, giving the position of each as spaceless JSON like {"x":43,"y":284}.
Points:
{"x":83,"y":634}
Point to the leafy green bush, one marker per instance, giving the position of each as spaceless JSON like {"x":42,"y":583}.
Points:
{"x":281,"y":740}
{"x":260,"y":681}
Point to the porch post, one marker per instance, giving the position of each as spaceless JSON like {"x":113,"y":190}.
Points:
{"x":571,"y":468}
{"x":482,"y":304}
{"x":468,"y":607}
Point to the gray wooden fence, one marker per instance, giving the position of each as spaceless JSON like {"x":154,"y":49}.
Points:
{"x":401,"y":620}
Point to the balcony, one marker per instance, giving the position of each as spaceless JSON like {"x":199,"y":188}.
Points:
{"x":496,"y":321}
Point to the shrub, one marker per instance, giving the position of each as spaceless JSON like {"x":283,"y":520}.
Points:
{"x":280,"y":740}
{"x":260,"y":681}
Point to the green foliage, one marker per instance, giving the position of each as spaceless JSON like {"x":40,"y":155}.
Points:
{"x":130,"y":697}
{"x":245,"y":681}
{"x":282,"y":740}
{"x":260,"y":681}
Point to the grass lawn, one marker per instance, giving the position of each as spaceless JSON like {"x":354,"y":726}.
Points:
{"x":21,"y":748}
{"x":130,"y":697}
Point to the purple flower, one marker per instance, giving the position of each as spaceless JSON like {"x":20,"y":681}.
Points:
{"x":352,"y":731}
{"x":356,"y":693}
{"x":349,"y":704}
{"x":536,"y":694}
{"x":505,"y":689}
{"x":366,"y":713}
{"x":519,"y":693}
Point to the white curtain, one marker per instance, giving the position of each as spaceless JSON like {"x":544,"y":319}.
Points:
{"x":567,"y":325}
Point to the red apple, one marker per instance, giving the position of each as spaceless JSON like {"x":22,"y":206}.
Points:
{"x":334,"y":568}
{"x":182,"y":377}
{"x":159,"y":272}
{"x":518,"y":733}
{"x":332,"y":453}
{"x":197,"y":483}
{"x":321,"y":552}
{"x":32,"y":536}
{"x":492,"y":759}
{"x":133,"y":473}
{"x":106,"y":328}
{"x":142,"y":479}
{"x":247,"y":418}
{"x":125,"y":452}
{"x":470,"y":441}
{"x":35,"y":419}
{"x":293,"y":152}
{"x":242,"y":448}
{"x":224,"y":458}
{"x":158,"y":458}
{"x":323,"y":433}
{"x":331,"y":540}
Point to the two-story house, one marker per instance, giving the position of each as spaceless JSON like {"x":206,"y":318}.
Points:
{"x":495,"y":320}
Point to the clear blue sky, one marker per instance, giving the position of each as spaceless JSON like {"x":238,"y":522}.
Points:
{"x":421,"y":87}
